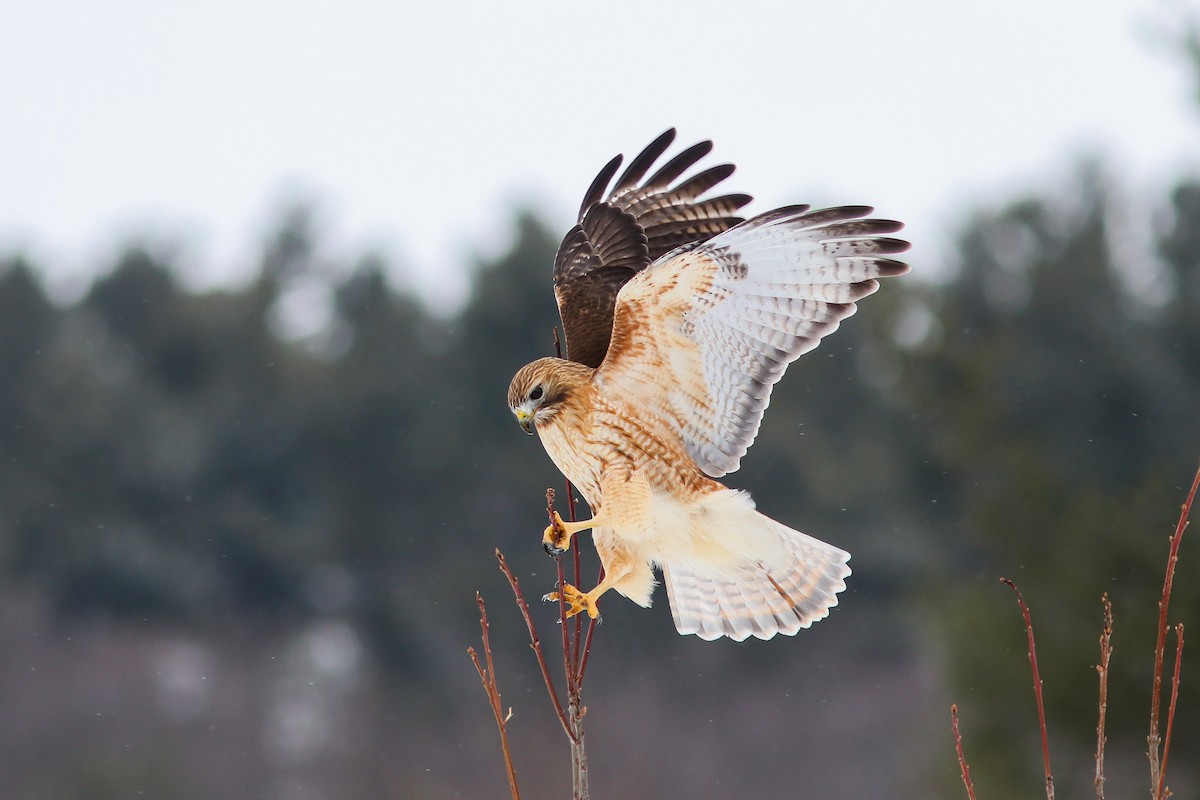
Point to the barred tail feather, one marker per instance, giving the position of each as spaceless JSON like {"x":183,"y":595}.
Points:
{"x":759,"y":600}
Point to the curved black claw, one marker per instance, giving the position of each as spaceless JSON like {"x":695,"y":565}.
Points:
{"x":551,"y":550}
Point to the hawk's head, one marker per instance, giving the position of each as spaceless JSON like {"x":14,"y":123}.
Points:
{"x":539,"y":391}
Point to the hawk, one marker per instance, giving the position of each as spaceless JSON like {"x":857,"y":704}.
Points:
{"x":679,"y":318}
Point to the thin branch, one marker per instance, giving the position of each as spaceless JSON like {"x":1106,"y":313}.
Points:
{"x":1163,"y":792}
{"x":562,"y":599}
{"x":574,"y":653}
{"x":535,"y":643}
{"x":571,"y":665}
{"x":575,"y":663}
{"x":1152,"y":740}
{"x":488,"y":678}
{"x":579,"y":762}
{"x":578,"y":645}
{"x":1037,"y":687}
{"x":1102,"y":669}
{"x":962,"y":759}
{"x":564,"y":627}
{"x":568,"y":656}
{"x":587,"y":642}
{"x":583,"y":642}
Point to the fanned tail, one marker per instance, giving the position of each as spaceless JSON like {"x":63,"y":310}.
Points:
{"x":759,"y":600}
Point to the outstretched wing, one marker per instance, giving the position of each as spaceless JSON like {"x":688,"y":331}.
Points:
{"x":702,"y":335}
{"x":620,"y":234}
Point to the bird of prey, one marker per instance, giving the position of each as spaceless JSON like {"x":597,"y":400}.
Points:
{"x":679,"y":318}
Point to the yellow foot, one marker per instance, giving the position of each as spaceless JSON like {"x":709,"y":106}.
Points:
{"x":576,"y":600}
{"x":555,"y":539}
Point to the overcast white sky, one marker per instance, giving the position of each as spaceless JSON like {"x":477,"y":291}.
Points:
{"x":418,"y":127}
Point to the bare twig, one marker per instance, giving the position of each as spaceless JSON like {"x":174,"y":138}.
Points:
{"x":587,"y":642}
{"x":575,"y":651}
{"x":1102,"y":669}
{"x":562,"y":595}
{"x":1037,"y":687}
{"x":1158,"y":765}
{"x":535,"y":643}
{"x":583,"y":643}
{"x":487,"y":677}
{"x":574,"y":663}
{"x":1163,"y":792}
{"x":962,"y":759}
{"x":1152,"y":741}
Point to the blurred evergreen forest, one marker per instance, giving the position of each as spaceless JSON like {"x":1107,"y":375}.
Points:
{"x":190,"y":492}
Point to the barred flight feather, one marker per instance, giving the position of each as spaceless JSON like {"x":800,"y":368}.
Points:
{"x":757,"y":599}
{"x":737,"y":327}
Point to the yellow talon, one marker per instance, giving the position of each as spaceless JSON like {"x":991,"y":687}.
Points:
{"x":576,"y":601}
{"x":556,"y":539}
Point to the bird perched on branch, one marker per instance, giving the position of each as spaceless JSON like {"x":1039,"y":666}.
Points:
{"x":679,"y":317}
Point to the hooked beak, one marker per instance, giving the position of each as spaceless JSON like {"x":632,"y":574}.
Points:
{"x":525,"y":420}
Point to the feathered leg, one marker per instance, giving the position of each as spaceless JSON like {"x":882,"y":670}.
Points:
{"x":626,"y":497}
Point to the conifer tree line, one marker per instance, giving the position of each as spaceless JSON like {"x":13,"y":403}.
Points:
{"x":178,"y":456}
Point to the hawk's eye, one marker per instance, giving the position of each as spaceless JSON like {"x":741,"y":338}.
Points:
{"x":536,"y":394}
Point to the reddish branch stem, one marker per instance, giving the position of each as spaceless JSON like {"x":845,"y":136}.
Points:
{"x":575,"y":652}
{"x":1162,"y":772}
{"x":1157,"y":766}
{"x":535,"y":643}
{"x":962,"y":759}
{"x":562,"y":601}
{"x":573,"y":663}
{"x":492,"y":689}
{"x":1102,"y":669}
{"x":583,"y":642}
{"x":1037,"y":686}
{"x":587,"y":642}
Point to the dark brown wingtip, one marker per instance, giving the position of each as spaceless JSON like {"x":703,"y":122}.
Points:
{"x":736,"y":201}
{"x":701,"y":182}
{"x":595,"y":192}
{"x":680,"y":164}
{"x":889,"y":246}
{"x":891,"y":268}
{"x":644,"y":160}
